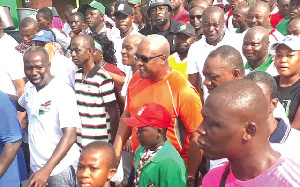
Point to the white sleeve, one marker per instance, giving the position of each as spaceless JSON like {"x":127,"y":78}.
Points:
{"x":62,"y":39}
{"x":16,"y":66}
{"x":192,"y":60}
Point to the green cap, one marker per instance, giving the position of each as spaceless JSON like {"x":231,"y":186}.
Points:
{"x":98,"y":6}
{"x":134,"y":2}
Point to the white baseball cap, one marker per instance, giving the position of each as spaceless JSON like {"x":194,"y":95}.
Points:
{"x":292,"y":42}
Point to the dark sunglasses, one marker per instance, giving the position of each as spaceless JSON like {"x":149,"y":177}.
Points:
{"x":197,"y":16}
{"x":145,"y":59}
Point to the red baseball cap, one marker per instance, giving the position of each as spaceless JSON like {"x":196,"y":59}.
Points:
{"x":150,"y":115}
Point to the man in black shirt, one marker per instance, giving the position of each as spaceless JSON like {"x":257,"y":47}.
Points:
{"x":160,"y":10}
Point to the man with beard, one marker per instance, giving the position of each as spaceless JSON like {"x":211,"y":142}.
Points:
{"x":160,"y":14}
{"x":184,"y":38}
{"x":195,"y":20}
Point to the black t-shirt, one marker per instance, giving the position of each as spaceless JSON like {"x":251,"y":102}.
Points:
{"x":289,"y":98}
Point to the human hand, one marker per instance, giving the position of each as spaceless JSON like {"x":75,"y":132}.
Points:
{"x":128,"y":146}
{"x":39,"y":178}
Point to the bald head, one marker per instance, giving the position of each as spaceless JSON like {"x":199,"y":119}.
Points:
{"x":134,"y":39}
{"x":200,"y":3}
{"x":258,"y":31}
{"x":241,"y":99}
{"x":87,"y":40}
{"x":157,"y":44}
{"x":212,"y":10}
{"x":294,"y":27}
{"x":259,"y":15}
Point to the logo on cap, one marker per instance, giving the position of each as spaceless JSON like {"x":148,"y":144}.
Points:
{"x":288,"y":39}
{"x":141,"y":111}
{"x":121,"y":7}
{"x":155,"y":1}
{"x":182,"y":27}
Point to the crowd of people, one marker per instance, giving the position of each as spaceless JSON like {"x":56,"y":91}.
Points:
{"x":153,"y":93}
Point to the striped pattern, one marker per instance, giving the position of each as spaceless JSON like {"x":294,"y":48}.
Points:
{"x":92,"y":94}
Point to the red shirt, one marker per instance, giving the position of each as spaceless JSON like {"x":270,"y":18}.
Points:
{"x":275,"y":19}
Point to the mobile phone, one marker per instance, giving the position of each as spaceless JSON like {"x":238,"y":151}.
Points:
{"x":25,"y":183}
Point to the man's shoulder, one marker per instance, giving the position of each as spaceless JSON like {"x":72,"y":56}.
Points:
{"x":213,"y":177}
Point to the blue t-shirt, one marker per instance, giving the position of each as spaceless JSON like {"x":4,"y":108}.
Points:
{"x":10,"y":132}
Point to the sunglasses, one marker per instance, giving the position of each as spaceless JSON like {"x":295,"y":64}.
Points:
{"x":196,"y":16}
{"x":145,"y":59}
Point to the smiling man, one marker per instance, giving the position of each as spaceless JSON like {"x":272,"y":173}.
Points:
{"x":255,"y":49}
{"x":214,"y":36}
{"x":53,"y":119}
{"x":237,"y":130}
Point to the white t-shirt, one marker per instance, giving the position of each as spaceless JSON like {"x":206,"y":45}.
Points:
{"x":62,"y":39}
{"x":65,"y":68}
{"x":67,"y":29}
{"x":11,"y":68}
{"x":199,"y":51}
{"x":7,"y":42}
{"x":49,"y":111}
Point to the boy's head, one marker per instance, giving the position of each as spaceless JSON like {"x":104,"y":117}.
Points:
{"x":28,"y":28}
{"x":97,"y":164}
{"x":185,"y":36}
{"x":44,"y":18}
{"x":152,"y":121}
{"x":77,"y":22}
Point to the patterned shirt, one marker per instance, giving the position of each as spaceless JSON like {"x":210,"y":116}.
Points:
{"x":94,"y":93}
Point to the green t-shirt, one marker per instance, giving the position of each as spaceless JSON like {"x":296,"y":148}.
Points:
{"x":282,"y":26}
{"x":263,"y":67}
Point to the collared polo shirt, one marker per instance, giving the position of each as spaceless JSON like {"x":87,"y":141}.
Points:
{"x":282,"y":26}
{"x":266,"y":66}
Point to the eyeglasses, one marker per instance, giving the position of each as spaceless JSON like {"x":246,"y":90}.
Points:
{"x":196,"y":16}
{"x":145,"y":59}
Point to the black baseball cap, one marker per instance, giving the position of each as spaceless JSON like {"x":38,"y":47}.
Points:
{"x":187,"y":29}
{"x":123,"y":8}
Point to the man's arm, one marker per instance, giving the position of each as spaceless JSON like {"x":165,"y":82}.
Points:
{"x":194,"y":80}
{"x":114,"y":120}
{"x":41,"y":177}
{"x":194,"y":156}
{"x":8,"y":155}
{"x":123,"y":133}
{"x":20,"y":84}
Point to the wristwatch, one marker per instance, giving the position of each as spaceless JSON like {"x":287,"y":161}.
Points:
{"x":190,"y":180}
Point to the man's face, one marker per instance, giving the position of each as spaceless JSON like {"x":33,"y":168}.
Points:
{"x":235,"y":3}
{"x":137,"y":17}
{"x":27,"y":34}
{"x":147,"y":136}
{"x":258,"y":16}
{"x":80,"y":53}
{"x":220,"y":133}
{"x":76,"y":24}
{"x":148,"y":70}
{"x":294,"y":11}
{"x":254,"y":47}
{"x":160,"y":14}
{"x":283,"y":7}
{"x":183,"y":43}
{"x":215,"y":73}
{"x":195,"y":18}
{"x":176,"y":4}
{"x":123,"y":22}
{"x":93,"y":18}
{"x":213,"y":26}
{"x":37,"y":69}
{"x":41,"y":21}
{"x":287,"y":61}
{"x":294,"y":28}
{"x":93,"y":169}
{"x":128,"y":50}
{"x":239,"y":19}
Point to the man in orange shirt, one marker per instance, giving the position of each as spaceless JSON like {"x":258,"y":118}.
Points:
{"x":156,"y":82}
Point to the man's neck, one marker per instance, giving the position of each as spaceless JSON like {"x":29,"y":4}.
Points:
{"x":182,"y":56}
{"x":87,"y":67}
{"x":164,"y":27}
{"x":255,"y":162}
{"x":163,"y":75}
{"x":178,"y":10}
{"x":98,"y":28}
{"x":125,"y":34}
{"x":272,"y":124}
{"x":155,"y":146}
{"x":134,"y":68}
{"x":256,"y":64}
{"x":1,"y":34}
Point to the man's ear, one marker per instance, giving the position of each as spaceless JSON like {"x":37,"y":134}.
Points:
{"x":273,"y":104}
{"x":111,"y":173}
{"x":236,"y":74}
{"x":250,"y":130}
